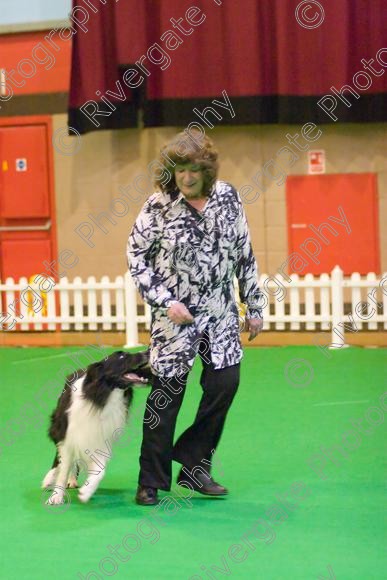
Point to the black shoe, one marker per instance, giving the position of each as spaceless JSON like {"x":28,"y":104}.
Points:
{"x":146,"y":495}
{"x":206,"y":485}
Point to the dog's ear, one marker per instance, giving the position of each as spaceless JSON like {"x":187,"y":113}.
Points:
{"x":94,"y":372}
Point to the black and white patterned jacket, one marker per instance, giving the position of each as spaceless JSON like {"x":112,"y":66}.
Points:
{"x":177,"y":253}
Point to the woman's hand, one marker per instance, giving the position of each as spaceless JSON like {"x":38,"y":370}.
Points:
{"x":179,"y":314}
{"x":254,"y":326}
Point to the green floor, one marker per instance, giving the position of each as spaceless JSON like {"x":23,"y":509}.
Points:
{"x":333,"y":528}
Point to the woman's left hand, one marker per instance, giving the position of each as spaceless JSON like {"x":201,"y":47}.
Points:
{"x":254,"y":326}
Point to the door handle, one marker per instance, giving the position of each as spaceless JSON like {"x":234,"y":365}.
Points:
{"x":41,"y":228}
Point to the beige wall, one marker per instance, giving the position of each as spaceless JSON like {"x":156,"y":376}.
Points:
{"x":88,"y":181}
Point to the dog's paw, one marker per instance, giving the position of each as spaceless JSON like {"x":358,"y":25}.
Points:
{"x":85,"y":494}
{"x":57,"y":498}
{"x":48,"y":485}
{"x":72,"y":482}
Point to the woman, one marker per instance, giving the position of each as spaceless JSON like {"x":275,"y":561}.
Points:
{"x":189,"y":241}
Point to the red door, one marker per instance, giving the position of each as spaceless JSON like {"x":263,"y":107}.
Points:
{"x":26,"y":204}
{"x":333,"y":220}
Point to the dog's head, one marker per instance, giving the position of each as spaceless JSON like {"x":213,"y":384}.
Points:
{"x":136,"y":367}
{"x":122,"y":370}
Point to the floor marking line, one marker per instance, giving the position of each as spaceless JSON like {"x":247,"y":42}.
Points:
{"x":16,"y":362}
{"x":339,"y":403}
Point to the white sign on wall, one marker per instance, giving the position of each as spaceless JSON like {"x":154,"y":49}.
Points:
{"x":21,"y":164}
{"x":316,"y":162}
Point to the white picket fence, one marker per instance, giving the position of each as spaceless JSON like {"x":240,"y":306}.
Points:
{"x":310,"y":303}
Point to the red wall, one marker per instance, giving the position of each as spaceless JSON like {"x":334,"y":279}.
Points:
{"x":17,"y":47}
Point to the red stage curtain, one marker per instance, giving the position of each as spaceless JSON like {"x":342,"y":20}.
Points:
{"x":273,"y":69}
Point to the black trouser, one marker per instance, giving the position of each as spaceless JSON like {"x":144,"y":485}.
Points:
{"x":199,"y":440}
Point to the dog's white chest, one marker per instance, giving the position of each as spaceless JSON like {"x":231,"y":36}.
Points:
{"x":113,"y":415}
{"x":89,"y":426}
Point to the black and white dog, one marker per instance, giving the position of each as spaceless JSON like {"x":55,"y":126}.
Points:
{"x":93,"y":405}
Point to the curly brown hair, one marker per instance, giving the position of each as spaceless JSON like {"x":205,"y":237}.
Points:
{"x":188,"y":147}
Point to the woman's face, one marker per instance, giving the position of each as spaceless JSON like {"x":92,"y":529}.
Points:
{"x":189,"y":180}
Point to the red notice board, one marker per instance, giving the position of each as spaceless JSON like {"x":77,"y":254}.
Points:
{"x":333,"y":220}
